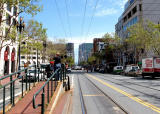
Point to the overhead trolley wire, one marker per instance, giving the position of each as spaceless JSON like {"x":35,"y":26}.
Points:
{"x":89,"y":27}
{"x":83,"y":21}
{"x":68,"y":20}
{"x":60,"y":17}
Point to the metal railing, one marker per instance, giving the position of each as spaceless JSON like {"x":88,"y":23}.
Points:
{"x":25,"y":78}
{"x":59,"y":74}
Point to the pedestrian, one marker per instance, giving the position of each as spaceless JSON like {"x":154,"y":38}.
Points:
{"x":50,"y":69}
{"x":57,"y":63}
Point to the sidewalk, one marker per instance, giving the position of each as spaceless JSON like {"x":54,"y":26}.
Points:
{"x":25,"y":106}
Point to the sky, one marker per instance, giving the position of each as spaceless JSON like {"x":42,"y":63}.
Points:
{"x":79,"y":21}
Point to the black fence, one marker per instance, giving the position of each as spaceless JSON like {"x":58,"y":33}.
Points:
{"x":58,"y":75}
{"x":26,"y":76}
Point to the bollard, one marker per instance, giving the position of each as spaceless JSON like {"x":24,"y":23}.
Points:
{"x":4,"y":92}
{"x":43,"y":104}
{"x":68,"y":83}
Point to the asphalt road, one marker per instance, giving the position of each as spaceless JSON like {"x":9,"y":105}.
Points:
{"x":96,"y":93}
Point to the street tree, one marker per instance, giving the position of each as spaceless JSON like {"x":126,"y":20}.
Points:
{"x":70,"y":61}
{"x":58,"y":46}
{"x":139,"y":39}
{"x":154,"y":33}
{"x":91,"y":60}
{"x":33,"y":38}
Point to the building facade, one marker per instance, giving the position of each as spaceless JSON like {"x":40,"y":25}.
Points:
{"x":70,"y":49}
{"x":8,"y":52}
{"x":34,"y":56}
{"x":134,"y":11}
{"x":84,"y":51}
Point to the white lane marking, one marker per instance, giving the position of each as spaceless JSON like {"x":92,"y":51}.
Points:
{"x":9,"y":97}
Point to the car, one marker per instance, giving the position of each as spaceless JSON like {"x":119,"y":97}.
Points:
{"x":102,"y":70}
{"x":118,"y":69}
{"x":131,"y":70}
{"x":78,"y":68}
{"x":31,"y":75}
{"x":69,"y":70}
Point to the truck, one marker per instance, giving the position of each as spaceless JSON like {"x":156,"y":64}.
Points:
{"x":151,"y":67}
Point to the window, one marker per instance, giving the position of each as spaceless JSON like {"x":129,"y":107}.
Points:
{"x":29,"y":57}
{"x":140,"y":7}
{"x":134,"y":10}
{"x":33,"y":57}
{"x":22,"y":57}
{"x":129,"y":15}
{"x":23,"y":42}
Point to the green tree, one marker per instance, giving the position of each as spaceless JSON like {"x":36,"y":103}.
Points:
{"x":70,"y":61}
{"x":33,"y":36}
{"x":59,"y":46}
{"x":140,"y":38}
{"x":91,"y":60}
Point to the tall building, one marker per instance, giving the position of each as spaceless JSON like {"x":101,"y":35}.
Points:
{"x":84,"y":51}
{"x":8,"y":51}
{"x":136,"y":10}
{"x":70,"y":49}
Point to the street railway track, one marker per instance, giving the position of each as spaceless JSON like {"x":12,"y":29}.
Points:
{"x":153,"y":96}
{"x":84,"y":110}
{"x":83,"y":107}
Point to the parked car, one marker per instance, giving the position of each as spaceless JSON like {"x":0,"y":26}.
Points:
{"x":31,"y":75}
{"x":78,"y":68}
{"x":102,"y":70}
{"x":118,"y":69}
{"x":68,"y":70}
{"x":131,"y":70}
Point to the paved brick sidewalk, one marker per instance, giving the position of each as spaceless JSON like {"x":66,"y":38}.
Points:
{"x":25,"y":105}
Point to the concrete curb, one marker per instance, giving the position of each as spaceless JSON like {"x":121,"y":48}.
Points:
{"x":59,"y":91}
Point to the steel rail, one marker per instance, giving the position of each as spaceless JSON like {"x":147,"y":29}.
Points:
{"x":83,"y":107}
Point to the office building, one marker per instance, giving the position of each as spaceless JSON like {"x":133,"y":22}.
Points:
{"x":70,"y":49}
{"x":84,"y":51}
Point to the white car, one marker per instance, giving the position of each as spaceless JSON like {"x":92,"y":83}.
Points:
{"x":131,"y":69}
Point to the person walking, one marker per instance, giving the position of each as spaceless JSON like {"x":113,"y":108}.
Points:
{"x":57,"y":63}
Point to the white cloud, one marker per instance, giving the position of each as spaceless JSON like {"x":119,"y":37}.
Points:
{"x":105,"y":12}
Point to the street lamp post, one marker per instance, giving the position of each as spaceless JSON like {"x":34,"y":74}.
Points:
{"x":44,"y":45}
{"x":20,"y":28}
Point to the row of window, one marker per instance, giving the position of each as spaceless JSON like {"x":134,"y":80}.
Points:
{"x":130,"y":14}
{"x":23,"y":57}
{"x":130,"y":23}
